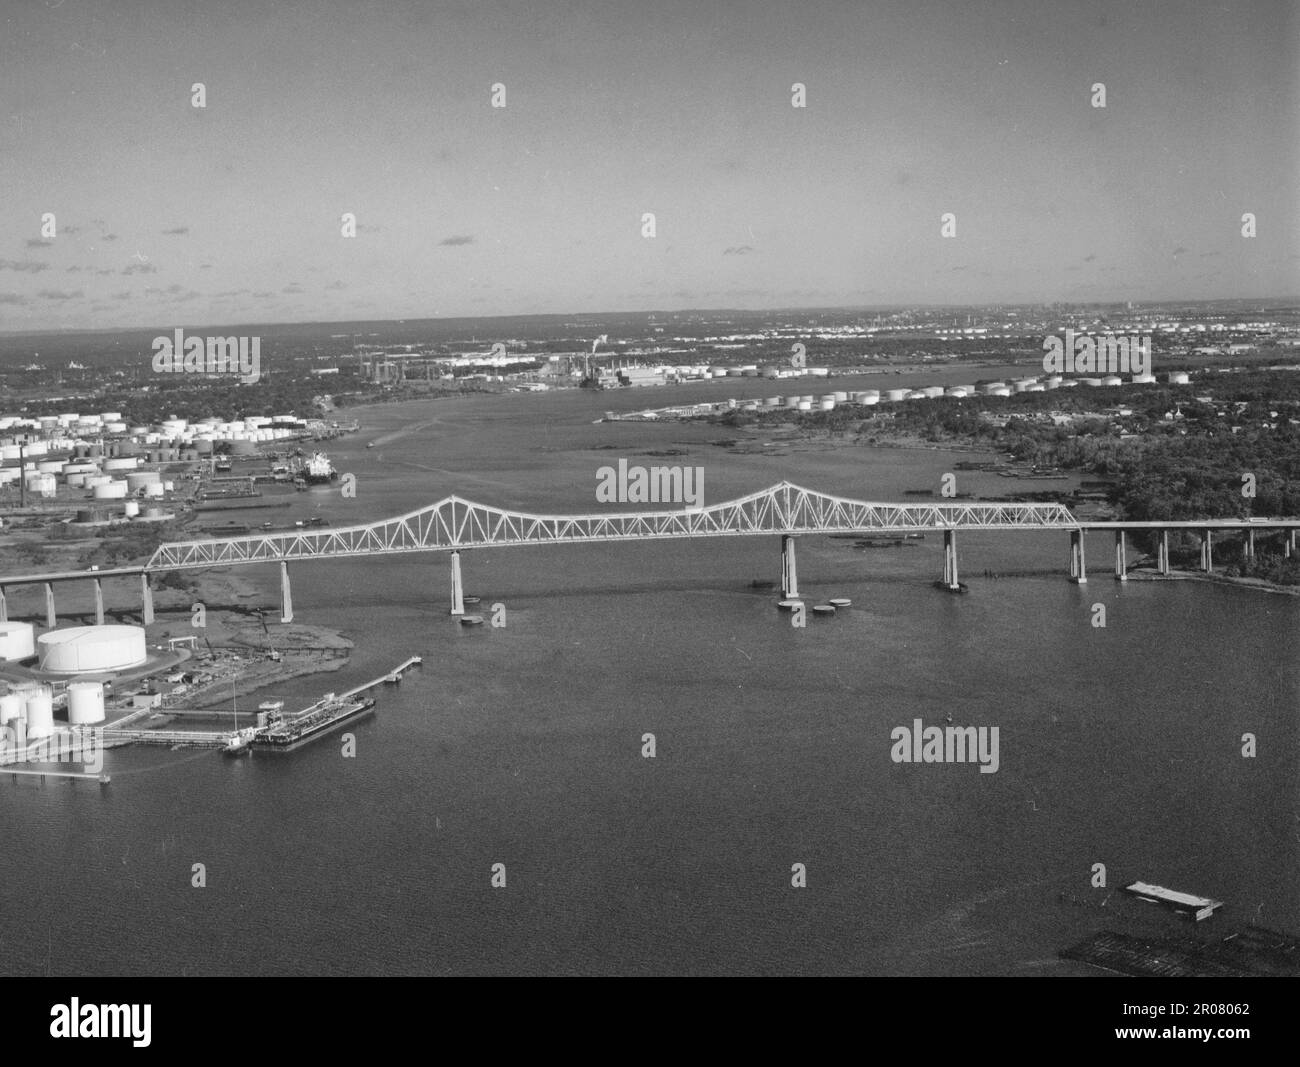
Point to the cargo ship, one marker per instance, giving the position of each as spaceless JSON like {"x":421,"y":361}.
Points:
{"x":284,"y":733}
{"x":318,"y":470}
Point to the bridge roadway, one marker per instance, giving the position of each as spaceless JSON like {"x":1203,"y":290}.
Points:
{"x":454,"y":523}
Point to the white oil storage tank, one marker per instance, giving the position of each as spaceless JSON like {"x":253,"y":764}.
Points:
{"x":85,"y":703}
{"x":17,"y":640}
{"x":110,"y":491}
{"x":39,"y":708}
{"x":82,"y":649}
{"x":11,"y":707}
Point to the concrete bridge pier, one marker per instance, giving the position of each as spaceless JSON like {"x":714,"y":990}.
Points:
{"x":1288,"y":550}
{"x":99,"y":602}
{"x":1248,"y":545}
{"x":457,"y":587}
{"x":51,"y":620}
{"x":146,"y":600}
{"x":950,"y":579}
{"x":286,"y":593}
{"x":1121,"y":558}
{"x":4,"y":606}
{"x":789,"y":574}
{"x":1078,"y":565}
{"x":1162,"y":553}
{"x":1207,"y":552}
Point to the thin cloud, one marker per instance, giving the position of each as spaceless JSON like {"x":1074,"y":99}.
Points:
{"x":334,"y":286}
{"x":738,"y":250}
{"x":61,"y":294}
{"x":109,"y":237}
{"x":140,"y":268}
{"x":458,"y":239}
{"x":176,"y":231}
{"x":38,"y":242}
{"x":16,"y":299}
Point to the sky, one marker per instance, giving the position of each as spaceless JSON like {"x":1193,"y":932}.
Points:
{"x":172,"y":215}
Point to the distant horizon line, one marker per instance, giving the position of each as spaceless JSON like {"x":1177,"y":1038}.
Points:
{"x":801,"y":309}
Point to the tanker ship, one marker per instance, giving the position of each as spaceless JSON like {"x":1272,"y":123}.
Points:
{"x":318,"y":470}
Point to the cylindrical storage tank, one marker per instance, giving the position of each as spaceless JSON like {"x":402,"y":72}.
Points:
{"x":771,"y":401}
{"x":37,"y":448}
{"x":17,"y":640}
{"x":121,"y":463}
{"x":82,"y":649}
{"x":139,"y":479}
{"x":827,"y":396}
{"x":110,"y":491}
{"x":131,"y":509}
{"x":9,"y":452}
{"x":153,"y":513}
{"x":115,"y":427}
{"x":792,"y":401}
{"x":805,"y":405}
{"x":1112,"y":379}
{"x":989,"y":387}
{"x":1177,"y":377}
{"x":1035,"y":387}
{"x":51,"y":466}
{"x":841,"y":396}
{"x":1090,"y":381}
{"x":79,"y":468}
{"x":8,"y":474}
{"x":735,"y":372}
{"x":11,"y":707}
{"x":85,"y":703}
{"x":719,"y":372}
{"x":169,"y":487}
{"x":43,"y":485}
{"x":896,"y":394}
{"x":933,"y":391}
{"x":869,"y":398}
{"x":751,"y":406}
{"x":827,"y":405}
{"x":110,"y":416}
{"x":1002,"y":390}
{"x":39,"y":711}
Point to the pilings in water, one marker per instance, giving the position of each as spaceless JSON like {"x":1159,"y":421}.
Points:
{"x":789,"y":574}
{"x":286,"y":593}
{"x":99,"y":602}
{"x":1078,"y":564}
{"x":950,"y":579}
{"x":1121,"y":560}
{"x":457,"y":586}
{"x":146,"y":600}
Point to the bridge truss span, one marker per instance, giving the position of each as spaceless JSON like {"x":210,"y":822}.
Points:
{"x":454,"y":524}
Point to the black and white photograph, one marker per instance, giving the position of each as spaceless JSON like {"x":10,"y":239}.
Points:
{"x":650,"y":488}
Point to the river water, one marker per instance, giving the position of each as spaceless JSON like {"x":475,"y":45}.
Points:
{"x":522,"y":746}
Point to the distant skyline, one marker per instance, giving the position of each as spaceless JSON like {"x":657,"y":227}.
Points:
{"x":169,"y":215}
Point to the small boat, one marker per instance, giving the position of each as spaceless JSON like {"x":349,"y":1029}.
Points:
{"x":471,"y":620}
{"x":840,"y":601}
{"x":370,"y":444}
{"x":470,"y":599}
{"x":789,"y":605}
{"x":823,"y":609}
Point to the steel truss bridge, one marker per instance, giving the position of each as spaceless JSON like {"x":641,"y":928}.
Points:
{"x":455,"y":523}
{"x":784,"y":509}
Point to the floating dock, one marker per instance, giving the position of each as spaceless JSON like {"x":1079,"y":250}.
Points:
{"x":1184,"y":903}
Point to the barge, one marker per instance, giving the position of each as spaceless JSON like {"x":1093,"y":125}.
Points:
{"x":285,"y":733}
